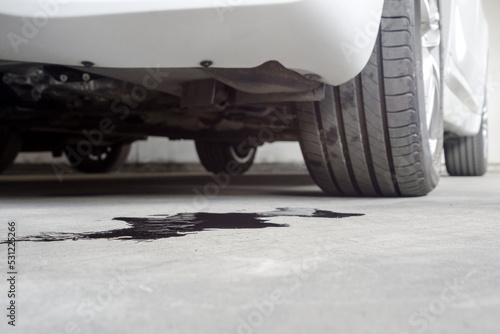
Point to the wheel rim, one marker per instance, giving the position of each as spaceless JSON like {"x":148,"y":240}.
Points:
{"x":99,"y":154}
{"x":241,"y":157}
{"x":431,"y":65}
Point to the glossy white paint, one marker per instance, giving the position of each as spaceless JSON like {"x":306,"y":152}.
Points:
{"x":329,"y":38}
{"x":465,"y":35}
{"x":492,"y":11}
{"x":161,"y":150}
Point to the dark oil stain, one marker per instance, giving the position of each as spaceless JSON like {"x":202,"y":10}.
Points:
{"x":178,"y":225}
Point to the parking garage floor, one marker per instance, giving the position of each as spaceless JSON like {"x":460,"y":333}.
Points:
{"x":263,"y":253}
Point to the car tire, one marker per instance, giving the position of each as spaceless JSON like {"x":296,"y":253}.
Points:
{"x":103,"y":159}
{"x":10,"y":146}
{"x":468,"y":155}
{"x":375,"y":135}
{"x":219,"y":157}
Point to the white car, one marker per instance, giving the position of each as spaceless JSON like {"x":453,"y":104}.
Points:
{"x":371,"y":89}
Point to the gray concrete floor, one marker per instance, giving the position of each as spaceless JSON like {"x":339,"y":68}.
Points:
{"x":410,"y":265}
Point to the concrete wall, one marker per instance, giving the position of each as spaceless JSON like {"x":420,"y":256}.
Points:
{"x":160,"y":150}
{"x":157,"y":150}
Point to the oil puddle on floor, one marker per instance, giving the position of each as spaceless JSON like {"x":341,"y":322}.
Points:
{"x":181,"y":224}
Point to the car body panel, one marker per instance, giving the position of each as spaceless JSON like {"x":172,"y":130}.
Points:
{"x":325,"y":40}
{"x":331,"y":39}
{"x":465,"y":52}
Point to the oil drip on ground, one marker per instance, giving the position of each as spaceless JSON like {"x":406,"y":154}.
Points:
{"x":178,"y":225}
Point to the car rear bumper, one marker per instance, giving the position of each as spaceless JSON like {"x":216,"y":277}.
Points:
{"x":329,"y":39}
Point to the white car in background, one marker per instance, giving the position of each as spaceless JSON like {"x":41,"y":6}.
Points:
{"x":371,"y":89}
